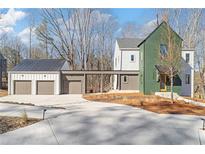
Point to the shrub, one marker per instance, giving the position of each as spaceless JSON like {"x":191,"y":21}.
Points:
{"x":24,"y":117}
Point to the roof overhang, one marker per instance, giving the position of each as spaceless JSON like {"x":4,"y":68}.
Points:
{"x":163,"y":69}
{"x":95,"y":72}
{"x":33,"y":72}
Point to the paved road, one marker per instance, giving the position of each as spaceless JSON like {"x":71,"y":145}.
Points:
{"x":104,"y":123}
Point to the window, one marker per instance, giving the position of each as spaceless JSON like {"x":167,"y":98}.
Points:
{"x":132,"y":58}
{"x":163,"y":49}
{"x":125,"y":79}
{"x":187,"y":57}
{"x":187,"y":79}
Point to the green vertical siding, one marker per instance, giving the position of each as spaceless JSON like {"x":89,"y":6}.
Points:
{"x":151,"y":52}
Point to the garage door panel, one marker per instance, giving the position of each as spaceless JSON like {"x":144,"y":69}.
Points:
{"x":45,"y":87}
{"x":74,"y":87}
{"x":22,"y":87}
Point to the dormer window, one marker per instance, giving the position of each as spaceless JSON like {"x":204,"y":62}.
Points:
{"x":163,"y":50}
{"x":132,"y":58}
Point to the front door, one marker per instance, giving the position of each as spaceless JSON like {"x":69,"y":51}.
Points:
{"x":163,"y":82}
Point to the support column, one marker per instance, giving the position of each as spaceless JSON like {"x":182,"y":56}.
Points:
{"x":119,"y":81}
{"x":85,"y":84}
{"x":101,"y":83}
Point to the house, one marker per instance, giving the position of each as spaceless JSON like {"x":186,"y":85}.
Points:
{"x":142,"y":55}
{"x":53,"y":77}
{"x":3,"y":71}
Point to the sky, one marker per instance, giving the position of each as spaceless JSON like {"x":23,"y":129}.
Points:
{"x":15,"y":21}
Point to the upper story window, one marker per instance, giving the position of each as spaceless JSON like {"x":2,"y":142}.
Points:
{"x":132,"y":58}
{"x":163,"y":49}
{"x":116,"y":62}
{"x":187,"y":58}
{"x":187,"y":79}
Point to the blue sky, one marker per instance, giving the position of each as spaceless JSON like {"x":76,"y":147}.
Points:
{"x":139,"y":16}
{"x":123,"y":15}
{"x":16,"y":21}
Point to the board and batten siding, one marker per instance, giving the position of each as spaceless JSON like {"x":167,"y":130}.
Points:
{"x":34,"y":77}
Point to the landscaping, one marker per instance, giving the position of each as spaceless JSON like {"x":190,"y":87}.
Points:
{"x":12,"y":123}
{"x":148,"y":102}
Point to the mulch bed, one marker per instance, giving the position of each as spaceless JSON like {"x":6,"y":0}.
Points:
{"x":12,"y":123}
{"x":149,"y":102}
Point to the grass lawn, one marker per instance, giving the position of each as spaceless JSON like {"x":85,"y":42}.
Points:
{"x":148,"y":102}
{"x":12,"y":123}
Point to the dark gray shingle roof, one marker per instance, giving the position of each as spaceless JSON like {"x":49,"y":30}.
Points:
{"x":129,"y":42}
{"x":40,"y":65}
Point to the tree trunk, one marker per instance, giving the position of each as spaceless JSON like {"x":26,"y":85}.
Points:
{"x":172,"y":98}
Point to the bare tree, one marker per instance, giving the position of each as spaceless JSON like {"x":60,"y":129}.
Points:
{"x":31,"y":31}
{"x":170,"y":59}
{"x":129,"y":30}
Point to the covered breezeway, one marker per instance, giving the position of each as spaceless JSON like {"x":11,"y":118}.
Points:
{"x":97,"y":81}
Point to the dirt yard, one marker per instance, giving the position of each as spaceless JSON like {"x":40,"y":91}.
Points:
{"x":148,"y":102}
{"x":12,"y":123}
{"x":3,"y":93}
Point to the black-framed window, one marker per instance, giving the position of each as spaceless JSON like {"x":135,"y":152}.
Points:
{"x":187,"y":78}
{"x":132,"y":58}
{"x":187,"y":58}
{"x":163,"y":49}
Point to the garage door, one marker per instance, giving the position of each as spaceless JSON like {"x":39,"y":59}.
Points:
{"x":22,"y":87}
{"x":74,"y":87}
{"x":45,"y":87}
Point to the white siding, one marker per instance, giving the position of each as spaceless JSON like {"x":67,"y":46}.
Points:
{"x":187,"y":68}
{"x":117,"y":62}
{"x":34,"y":77}
{"x":127,"y":64}
{"x":122,"y":61}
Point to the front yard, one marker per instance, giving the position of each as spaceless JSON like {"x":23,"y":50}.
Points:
{"x":12,"y":123}
{"x":148,"y":102}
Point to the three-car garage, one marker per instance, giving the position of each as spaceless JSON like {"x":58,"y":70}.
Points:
{"x":53,"y":77}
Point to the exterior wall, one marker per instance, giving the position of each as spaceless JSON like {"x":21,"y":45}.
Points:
{"x":127,"y":64}
{"x":117,"y":62}
{"x":34,"y":77}
{"x":76,"y":77}
{"x":122,"y":61}
{"x":150,"y":50}
{"x":187,"y":68}
{"x":142,"y":70}
{"x":132,"y":84}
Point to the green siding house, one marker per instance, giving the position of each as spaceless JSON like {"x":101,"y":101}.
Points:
{"x":145,"y":56}
{"x":152,"y":79}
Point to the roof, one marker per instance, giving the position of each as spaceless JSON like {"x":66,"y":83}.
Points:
{"x":131,"y":43}
{"x":164,"y":69}
{"x":40,"y":65}
{"x":163,"y":22}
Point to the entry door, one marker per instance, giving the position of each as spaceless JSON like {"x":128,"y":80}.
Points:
{"x":163,"y":82}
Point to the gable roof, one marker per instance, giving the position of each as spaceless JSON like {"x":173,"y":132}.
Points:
{"x":40,"y":65}
{"x":131,"y":43}
{"x":163,"y":22}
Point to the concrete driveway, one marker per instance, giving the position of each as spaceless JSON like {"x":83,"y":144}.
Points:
{"x":45,"y":100}
{"x":104,"y":123}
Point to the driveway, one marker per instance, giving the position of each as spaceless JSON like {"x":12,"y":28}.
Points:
{"x":104,"y":123}
{"x":45,"y":100}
